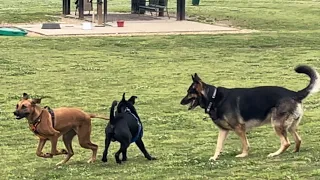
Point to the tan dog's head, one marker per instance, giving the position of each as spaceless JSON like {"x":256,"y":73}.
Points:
{"x":25,"y":106}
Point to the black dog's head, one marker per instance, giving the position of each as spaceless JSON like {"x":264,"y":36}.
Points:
{"x":25,"y":106}
{"x":196,"y":94}
{"x":124,"y":104}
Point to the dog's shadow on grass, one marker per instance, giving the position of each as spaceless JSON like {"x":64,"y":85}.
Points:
{"x":97,"y":164}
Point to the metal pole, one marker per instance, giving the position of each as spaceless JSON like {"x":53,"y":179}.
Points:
{"x":68,"y":7}
{"x":81,"y":9}
{"x":181,"y":10}
{"x":105,"y":12}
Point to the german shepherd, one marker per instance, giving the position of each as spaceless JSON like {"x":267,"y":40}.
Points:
{"x":240,"y":109}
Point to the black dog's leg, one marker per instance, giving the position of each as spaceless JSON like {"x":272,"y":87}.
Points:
{"x":124,"y":155}
{"x":140,"y":145}
{"x":105,"y":152}
{"x":123,"y":148}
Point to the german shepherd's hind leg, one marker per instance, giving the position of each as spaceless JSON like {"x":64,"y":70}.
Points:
{"x":293,"y":128}
{"x":286,"y":116}
{"x":67,"y":139}
{"x":241,"y":132}
{"x":285,"y":143}
{"x":297,"y":139}
{"x":221,"y":138}
{"x":293,"y":131}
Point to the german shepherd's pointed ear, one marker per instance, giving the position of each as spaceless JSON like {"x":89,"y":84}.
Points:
{"x":25,"y":96}
{"x":36,"y":101}
{"x":123,"y":97}
{"x":196,"y":78}
{"x":132,"y":99}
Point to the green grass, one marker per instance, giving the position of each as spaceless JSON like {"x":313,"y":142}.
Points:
{"x":91,"y":72}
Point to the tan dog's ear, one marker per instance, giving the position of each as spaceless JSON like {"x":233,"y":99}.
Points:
{"x":36,"y":101}
{"x":25,"y":96}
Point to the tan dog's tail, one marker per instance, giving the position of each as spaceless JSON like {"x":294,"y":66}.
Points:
{"x":96,"y":116}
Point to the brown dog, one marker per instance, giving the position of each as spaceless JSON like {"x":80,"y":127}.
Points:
{"x":50,"y":124}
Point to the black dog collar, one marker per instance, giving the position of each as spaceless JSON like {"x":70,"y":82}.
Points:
{"x":211,"y":100}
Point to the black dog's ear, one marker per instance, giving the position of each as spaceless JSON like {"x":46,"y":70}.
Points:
{"x":36,"y":101}
{"x":25,"y":96}
{"x":123,"y":97}
{"x":132,"y":99}
{"x":196,"y":78}
{"x":114,"y":103}
{"x":192,"y":78}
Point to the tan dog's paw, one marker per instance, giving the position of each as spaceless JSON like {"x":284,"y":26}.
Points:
{"x":60,"y":163}
{"x":91,"y":160}
{"x":242,"y":155}
{"x":63,"y":151}
{"x":273,"y":154}
{"x":47,"y":155}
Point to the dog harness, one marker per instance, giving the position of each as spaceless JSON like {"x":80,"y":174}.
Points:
{"x":33,"y":126}
{"x":140,"y":130}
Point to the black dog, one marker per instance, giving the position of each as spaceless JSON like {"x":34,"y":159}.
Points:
{"x":239,"y":109}
{"x":125,"y":127}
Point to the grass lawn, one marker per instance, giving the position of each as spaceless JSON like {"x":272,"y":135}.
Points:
{"x":92,"y":72}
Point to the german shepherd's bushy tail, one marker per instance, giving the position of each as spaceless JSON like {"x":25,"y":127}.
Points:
{"x":112,"y":118}
{"x":314,"y":84}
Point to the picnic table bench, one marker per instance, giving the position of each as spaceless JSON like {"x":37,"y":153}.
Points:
{"x":158,"y":6}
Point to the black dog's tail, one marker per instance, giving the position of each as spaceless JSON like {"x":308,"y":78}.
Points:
{"x":314,"y":84}
{"x":112,"y":118}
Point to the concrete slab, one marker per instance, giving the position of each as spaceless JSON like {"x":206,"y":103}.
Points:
{"x":130,"y":27}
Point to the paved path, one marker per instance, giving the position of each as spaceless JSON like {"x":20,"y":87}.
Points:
{"x":73,"y":27}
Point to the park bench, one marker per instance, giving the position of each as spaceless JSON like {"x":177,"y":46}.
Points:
{"x":87,"y":4}
{"x":155,"y":6}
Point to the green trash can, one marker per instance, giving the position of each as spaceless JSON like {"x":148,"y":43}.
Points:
{"x":195,"y":2}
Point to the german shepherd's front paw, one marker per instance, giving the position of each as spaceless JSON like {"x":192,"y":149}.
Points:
{"x":213,"y":158}
{"x":242,"y":155}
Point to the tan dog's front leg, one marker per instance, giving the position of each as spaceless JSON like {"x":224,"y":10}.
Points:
{"x":54,"y":150}
{"x":39,"y":152}
{"x":221,"y":138}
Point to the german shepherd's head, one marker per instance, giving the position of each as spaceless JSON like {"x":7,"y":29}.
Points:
{"x":196,"y":94}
